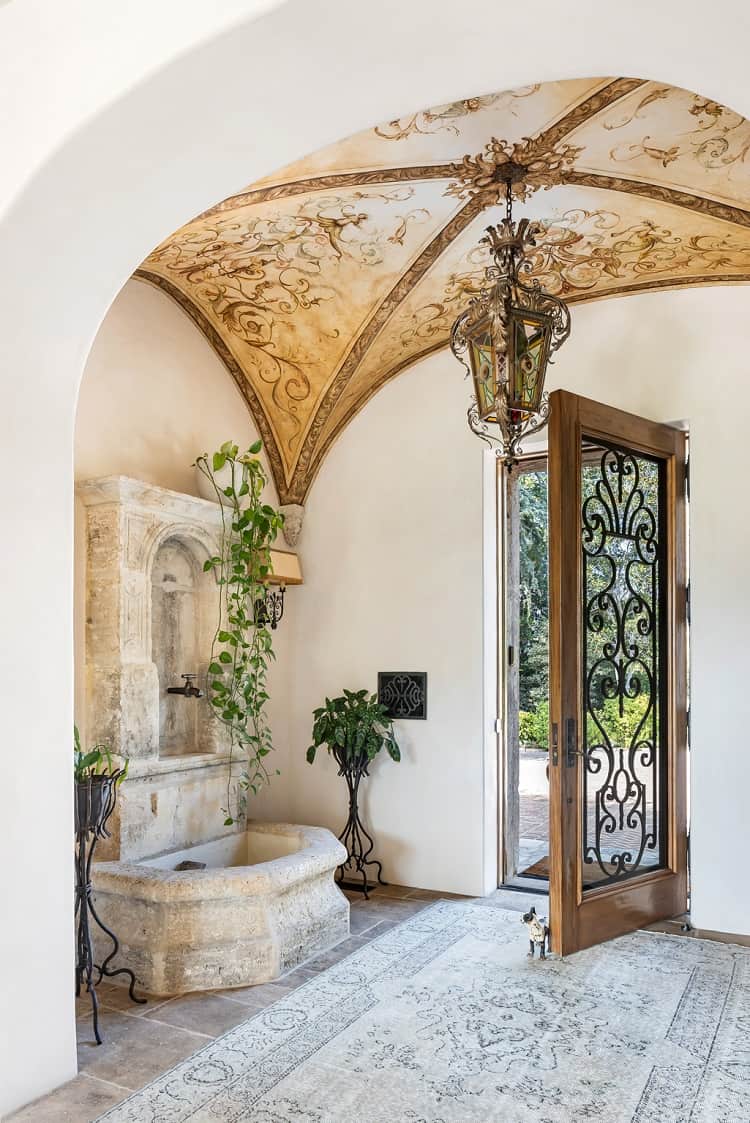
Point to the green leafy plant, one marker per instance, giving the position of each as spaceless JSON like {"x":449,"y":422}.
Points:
{"x":533,"y":725}
{"x":533,"y":592}
{"x":620,"y":728}
{"x":354,"y":728}
{"x":96,"y":762}
{"x":242,"y":647}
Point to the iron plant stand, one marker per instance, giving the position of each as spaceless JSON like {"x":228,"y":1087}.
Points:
{"x":359,"y":844}
{"x":95,"y":800}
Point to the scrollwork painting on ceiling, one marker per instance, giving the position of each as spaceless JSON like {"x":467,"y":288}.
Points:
{"x":321,"y":282}
{"x":445,"y":118}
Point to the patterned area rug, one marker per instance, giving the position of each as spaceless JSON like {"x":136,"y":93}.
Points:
{"x":445,"y":1019}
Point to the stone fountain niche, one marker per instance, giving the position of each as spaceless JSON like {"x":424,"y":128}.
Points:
{"x":177,"y":604}
{"x":151,"y":612}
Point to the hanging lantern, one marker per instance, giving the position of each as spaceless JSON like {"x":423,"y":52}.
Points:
{"x":506,"y":337}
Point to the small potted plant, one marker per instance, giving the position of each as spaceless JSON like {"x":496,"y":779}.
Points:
{"x":354,"y":728}
{"x":96,"y":780}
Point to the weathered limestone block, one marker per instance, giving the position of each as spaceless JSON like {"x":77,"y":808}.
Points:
{"x":230,"y":925}
{"x":150,"y":609}
{"x":293,"y":514}
{"x":151,"y":613}
{"x":167,"y":805}
{"x":119,"y":713}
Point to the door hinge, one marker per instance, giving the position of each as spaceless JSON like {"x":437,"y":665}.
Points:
{"x":511,"y":655}
{"x":687,"y":602}
{"x":687,"y":477}
{"x":498,"y":725}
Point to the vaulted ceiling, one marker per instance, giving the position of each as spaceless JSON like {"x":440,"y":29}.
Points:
{"x":318,"y":284}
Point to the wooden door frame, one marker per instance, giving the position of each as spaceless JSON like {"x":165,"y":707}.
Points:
{"x":610,"y":910}
{"x":509,"y":638}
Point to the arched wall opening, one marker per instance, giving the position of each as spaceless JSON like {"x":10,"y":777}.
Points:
{"x":178,"y":612}
{"x":132,"y":171}
{"x":393,"y":556}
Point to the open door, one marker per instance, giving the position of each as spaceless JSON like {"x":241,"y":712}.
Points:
{"x":618,"y":677}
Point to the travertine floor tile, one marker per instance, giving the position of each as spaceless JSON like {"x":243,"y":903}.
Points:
{"x":389,"y":908}
{"x":432,"y":895}
{"x":334,"y":954}
{"x":79,"y":1101}
{"x":259,"y":996}
{"x":390,"y":891}
{"x":361,"y":918}
{"x":135,"y":1050}
{"x":211,"y":1014}
{"x":114,"y":997}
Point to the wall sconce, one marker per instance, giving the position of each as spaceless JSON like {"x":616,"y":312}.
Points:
{"x":286,"y":570}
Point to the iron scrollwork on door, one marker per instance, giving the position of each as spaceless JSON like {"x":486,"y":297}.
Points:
{"x":622,"y":538}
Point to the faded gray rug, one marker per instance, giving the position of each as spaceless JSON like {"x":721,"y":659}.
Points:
{"x":444,"y":1019}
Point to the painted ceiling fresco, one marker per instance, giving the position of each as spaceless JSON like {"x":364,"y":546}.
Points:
{"x":319,"y":283}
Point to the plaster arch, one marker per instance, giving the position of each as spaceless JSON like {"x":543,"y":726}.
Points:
{"x":135,"y":169}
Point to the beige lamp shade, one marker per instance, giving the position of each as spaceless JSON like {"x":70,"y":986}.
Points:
{"x":286,"y":568}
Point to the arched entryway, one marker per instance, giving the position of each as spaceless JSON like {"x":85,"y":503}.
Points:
{"x":94,"y":211}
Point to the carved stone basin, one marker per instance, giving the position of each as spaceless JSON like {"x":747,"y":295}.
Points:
{"x":266,"y":901}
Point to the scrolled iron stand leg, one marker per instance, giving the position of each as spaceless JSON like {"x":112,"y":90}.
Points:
{"x":95,"y":800}
{"x":359,"y":844}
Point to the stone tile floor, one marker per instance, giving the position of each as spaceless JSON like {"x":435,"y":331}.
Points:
{"x":141,"y":1042}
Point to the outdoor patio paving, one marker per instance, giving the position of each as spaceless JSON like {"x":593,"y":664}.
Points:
{"x":534,"y":817}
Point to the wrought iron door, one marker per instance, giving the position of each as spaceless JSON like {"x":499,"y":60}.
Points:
{"x":617,"y":672}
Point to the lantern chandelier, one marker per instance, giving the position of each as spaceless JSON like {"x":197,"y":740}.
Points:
{"x":506,"y":336}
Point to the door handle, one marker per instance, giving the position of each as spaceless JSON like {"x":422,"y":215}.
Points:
{"x":571,"y":742}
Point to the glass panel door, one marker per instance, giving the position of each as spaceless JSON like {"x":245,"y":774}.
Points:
{"x":618,"y":856}
{"x":625,"y":728}
{"x":526,"y":680}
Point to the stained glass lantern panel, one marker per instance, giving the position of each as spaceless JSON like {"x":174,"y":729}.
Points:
{"x":483,"y":359}
{"x":529,"y":339}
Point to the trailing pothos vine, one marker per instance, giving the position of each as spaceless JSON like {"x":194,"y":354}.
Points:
{"x":242,"y":648}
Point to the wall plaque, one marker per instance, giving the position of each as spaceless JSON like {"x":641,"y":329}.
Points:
{"x":404,"y":693}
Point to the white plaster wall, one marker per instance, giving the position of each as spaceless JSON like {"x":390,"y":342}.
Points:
{"x":392,"y":548}
{"x":61,"y":62}
{"x":153,"y":396}
{"x":85,"y":201}
{"x":679,"y":356}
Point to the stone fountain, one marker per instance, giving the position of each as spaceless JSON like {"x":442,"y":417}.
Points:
{"x":266,"y":898}
{"x":150,"y":616}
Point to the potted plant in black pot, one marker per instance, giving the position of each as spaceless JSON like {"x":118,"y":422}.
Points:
{"x":96,"y":778}
{"x":354,"y":728}
{"x":96,"y":781}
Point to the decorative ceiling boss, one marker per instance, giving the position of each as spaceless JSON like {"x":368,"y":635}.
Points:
{"x":516,"y":168}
